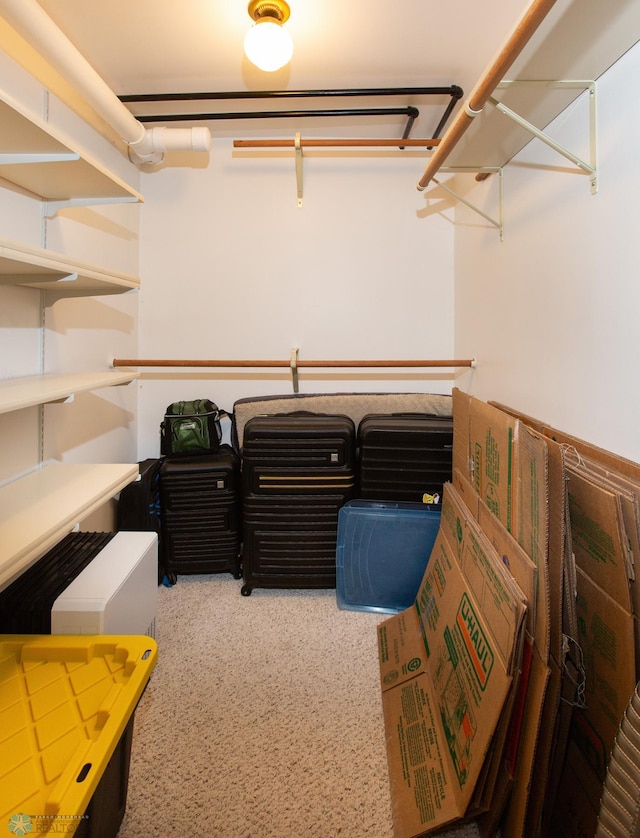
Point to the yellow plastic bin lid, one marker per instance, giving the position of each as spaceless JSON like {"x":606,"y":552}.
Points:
{"x":65,"y":701}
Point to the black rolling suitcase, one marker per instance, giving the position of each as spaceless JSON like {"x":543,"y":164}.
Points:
{"x":404,"y":457}
{"x":139,"y":505}
{"x":201,"y":500}
{"x":298,"y":470}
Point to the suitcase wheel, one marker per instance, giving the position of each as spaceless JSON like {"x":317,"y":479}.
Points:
{"x":245,"y":590}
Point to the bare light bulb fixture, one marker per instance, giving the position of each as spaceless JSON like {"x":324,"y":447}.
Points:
{"x":267,"y":44}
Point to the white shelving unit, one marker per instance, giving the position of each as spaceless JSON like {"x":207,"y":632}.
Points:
{"x":18,"y":393}
{"x":36,"y":157}
{"x":60,"y":276}
{"x":569,"y":50}
{"x":41,"y":508}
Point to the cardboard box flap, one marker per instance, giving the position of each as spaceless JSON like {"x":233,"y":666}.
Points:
{"x":560,"y":570}
{"x":607,"y":640}
{"x":484,"y":451}
{"x":598,"y":536}
{"x":523,"y":570}
{"x":629,"y":493}
{"x":616,"y":462}
{"x":541,"y":526}
{"x":527,"y":763}
{"x":532,"y":529}
{"x":401,"y":648}
{"x":515,"y":559}
{"x":492,"y":444}
{"x":492,"y":584}
{"x":424,"y":794}
{"x":461,"y":407}
{"x":503,"y":743}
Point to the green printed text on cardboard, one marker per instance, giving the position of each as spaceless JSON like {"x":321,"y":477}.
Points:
{"x":475,"y":641}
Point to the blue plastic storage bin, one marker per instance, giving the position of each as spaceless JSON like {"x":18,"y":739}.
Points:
{"x":382,"y":552}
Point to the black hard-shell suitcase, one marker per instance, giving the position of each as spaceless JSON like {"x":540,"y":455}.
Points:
{"x":139,"y":505}
{"x":298,"y":470}
{"x":404,"y":457}
{"x":201,"y":500}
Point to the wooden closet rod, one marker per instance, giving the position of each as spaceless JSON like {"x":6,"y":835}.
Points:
{"x":338,"y":143}
{"x":139,"y":362}
{"x":478,"y":97}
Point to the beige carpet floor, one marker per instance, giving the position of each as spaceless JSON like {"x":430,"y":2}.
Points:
{"x":262,"y":719}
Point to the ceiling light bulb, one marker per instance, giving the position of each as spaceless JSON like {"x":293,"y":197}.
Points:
{"x":267,"y":44}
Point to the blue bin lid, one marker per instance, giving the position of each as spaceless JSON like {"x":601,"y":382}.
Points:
{"x":383,"y":548}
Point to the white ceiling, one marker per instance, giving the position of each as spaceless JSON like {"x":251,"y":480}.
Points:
{"x":176,"y":45}
{"x":160,"y":46}
{"x":188,"y":46}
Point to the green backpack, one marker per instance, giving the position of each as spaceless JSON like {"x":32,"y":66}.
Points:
{"x":190,"y":428}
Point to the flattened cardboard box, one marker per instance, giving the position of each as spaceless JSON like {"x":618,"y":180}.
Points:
{"x":607,"y":641}
{"x":519,"y":771}
{"x":445,"y":674}
{"x":512,"y":767}
{"x":628,"y":493}
{"x":484,"y":450}
{"x":519,"y":476}
{"x":605,"y":627}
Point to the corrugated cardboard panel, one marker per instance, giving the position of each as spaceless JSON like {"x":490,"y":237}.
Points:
{"x":599,"y":540}
{"x":446,"y":668}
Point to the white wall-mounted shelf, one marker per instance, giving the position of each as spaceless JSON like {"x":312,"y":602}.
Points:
{"x":36,"y":157}
{"x":41,"y":508}
{"x":40,"y":160}
{"x":18,"y":393}
{"x":576,"y":41}
{"x":35,"y":267}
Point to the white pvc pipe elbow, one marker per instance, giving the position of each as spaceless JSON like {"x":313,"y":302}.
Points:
{"x":29,"y":19}
{"x":151,"y":147}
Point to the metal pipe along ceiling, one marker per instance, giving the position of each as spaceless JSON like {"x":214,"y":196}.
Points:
{"x":453,"y":91}
{"x":145,"y":145}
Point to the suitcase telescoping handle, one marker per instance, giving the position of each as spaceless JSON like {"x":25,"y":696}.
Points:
{"x":418,"y":415}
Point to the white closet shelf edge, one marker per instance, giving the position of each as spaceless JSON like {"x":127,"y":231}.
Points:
{"x":18,"y":393}
{"x":38,"y":510}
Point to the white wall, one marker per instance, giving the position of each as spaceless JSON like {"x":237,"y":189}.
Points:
{"x":551,"y":313}
{"x":233,"y":268}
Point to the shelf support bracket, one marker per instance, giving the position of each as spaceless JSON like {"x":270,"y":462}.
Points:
{"x":588,"y":168}
{"x":298,"y":147}
{"x":50,"y":208}
{"x":293,"y":363}
{"x":499,"y":222}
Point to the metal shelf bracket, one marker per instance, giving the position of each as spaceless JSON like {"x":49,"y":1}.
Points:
{"x":293,"y":363}
{"x":590,"y":168}
{"x":51,"y":208}
{"x":298,"y":147}
{"x":485,"y":170}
